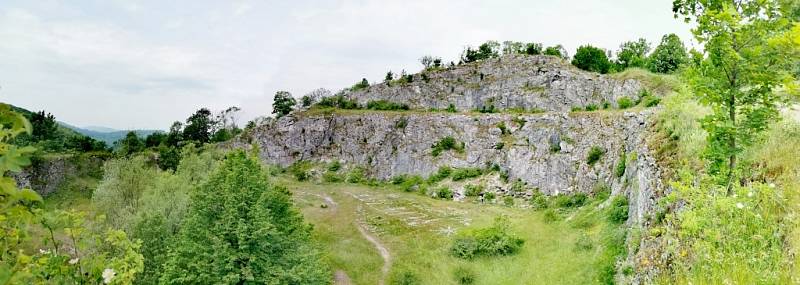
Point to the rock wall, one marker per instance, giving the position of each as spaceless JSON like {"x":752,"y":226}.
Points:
{"x":394,"y":143}
{"x":513,"y":81}
{"x":46,"y":175}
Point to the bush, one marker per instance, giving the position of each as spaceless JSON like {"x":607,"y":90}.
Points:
{"x":331,"y":177}
{"x":401,"y":123}
{"x":591,"y":59}
{"x":624,"y":103}
{"x":583,"y":243}
{"x":601,"y":191}
{"x":571,"y":201}
{"x":466,"y":173}
{"x":473,"y":190}
{"x":335,"y":166}
{"x":383,"y":105}
{"x":300,"y":170}
{"x":444,"y":193}
{"x":620,"y":171}
{"x":487,"y":109}
{"x":406,"y":278}
{"x":550,"y":216}
{"x":356,"y":175}
{"x":591,"y":107}
{"x":650,"y":101}
{"x":410,"y":182}
{"x":618,"y":211}
{"x":445,"y":144}
{"x":489,"y":196}
{"x":538,"y":201}
{"x":399,"y":179}
{"x":503,"y":129}
{"x":360,"y":85}
{"x":464,"y":276}
{"x":669,"y":55}
{"x":594,"y":155}
{"x":508,"y":201}
{"x":451,"y":108}
{"x":441,"y":174}
{"x":493,"y":241}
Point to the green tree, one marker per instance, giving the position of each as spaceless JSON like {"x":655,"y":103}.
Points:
{"x":175,"y":134}
{"x":44,"y":126}
{"x":389,"y":76}
{"x":155,"y":139}
{"x":131,"y":144}
{"x":239,"y":229}
{"x":283,"y":104}
{"x":669,"y":55}
{"x":533,"y":48}
{"x":751,"y":48}
{"x":592,"y":59}
{"x":633,"y":54}
{"x":198,"y":126}
{"x":557,"y":50}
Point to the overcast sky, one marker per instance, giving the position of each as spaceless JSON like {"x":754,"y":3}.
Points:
{"x":145,"y":64}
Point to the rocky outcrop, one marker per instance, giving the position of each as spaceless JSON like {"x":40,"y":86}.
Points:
{"x":544,"y":83}
{"x":48,"y":174}
{"x":548,"y":151}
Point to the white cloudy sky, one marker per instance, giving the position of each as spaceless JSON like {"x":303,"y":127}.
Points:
{"x":145,"y":64}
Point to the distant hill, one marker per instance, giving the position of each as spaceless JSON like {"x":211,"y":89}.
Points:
{"x":105,"y":134}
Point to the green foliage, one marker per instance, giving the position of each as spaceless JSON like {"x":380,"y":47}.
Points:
{"x":487,"y":109}
{"x":503,"y":129}
{"x":496,"y":240}
{"x":489,"y":196}
{"x":538,"y":201}
{"x":118,"y":195}
{"x":618,"y":210}
{"x":551,"y":216}
{"x":168,"y":158}
{"x":624,"y":103}
{"x":739,"y":79}
{"x":130,"y":145}
{"x":331,"y":177}
{"x":406,"y":278}
{"x":466,"y":173}
{"x":570,"y":201}
{"x":198,"y":126}
{"x":669,"y":55}
{"x":533,"y":48}
{"x":411,"y":182}
{"x":401,"y":123}
{"x":620,"y":170}
{"x":584,"y":243}
{"x":471,"y":190}
{"x":300,"y":170}
{"x":283,"y":103}
{"x":633,"y":54}
{"x":446,"y":144}
{"x":591,"y":59}
{"x":356,"y":175}
{"x":444,"y":193}
{"x":363,"y":84}
{"x":338,"y":101}
{"x":441,"y":174}
{"x":464,"y":276}
{"x":648,"y":100}
{"x":557,"y":50}
{"x":235,"y":217}
{"x":489,"y":49}
{"x":595,"y":153}
{"x":384,"y":105}
{"x":591,"y":107}
{"x":335,"y":166}
{"x":451,"y":108}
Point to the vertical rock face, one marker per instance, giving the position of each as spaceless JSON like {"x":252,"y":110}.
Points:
{"x":47,"y":175}
{"x":509,"y":82}
{"x":548,"y":151}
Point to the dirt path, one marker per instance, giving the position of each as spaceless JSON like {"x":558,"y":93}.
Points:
{"x":387,"y":258}
{"x":341,"y":278}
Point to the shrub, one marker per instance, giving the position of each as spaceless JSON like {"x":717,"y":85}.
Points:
{"x":399,"y":179}
{"x":473,"y":190}
{"x":360,"y":85}
{"x":576,"y":109}
{"x":384,"y":105}
{"x":650,"y":101}
{"x":508,"y":201}
{"x":499,"y":145}
{"x":571,"y":201}
{"x":335,"y":166}
{"x":445,"y":144}
{"x":606,"y":105}
{"x":444,"y":193}
{"x":591,"y":107}
{"x":338,"y":101}
{"x":331,"y":176}
{"x":410,"y":182}
{"x":538,"y":201}
{"x":356,"y":175}
{"x":300,"y":170}
{"x":503,"y":129}
{"x":493,"y":241}
{"x":624,"y":103}
{"x":591,"y":59}
{"x":620,"y":171}
{"x":441,"y":174}
{"x":550,"y":216}
{"x":583,"y":243}
{"x":466,"y":173}
{"x":618,"y":211}
{"x":487,"y":109}
{"x":595,"y":153}
{"x":401,"y":123}
{"x":669,"y":55}
{"x":406,"y":278}
{"x":489,"y":196}
{"x":464,"y":276}
{"x":601,"y":191}
{"x":451,"y":108}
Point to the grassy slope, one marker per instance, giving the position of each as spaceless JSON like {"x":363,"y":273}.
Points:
{"x":548,"y":257}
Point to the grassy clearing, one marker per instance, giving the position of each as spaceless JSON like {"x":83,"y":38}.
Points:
{"x":418,"y":231}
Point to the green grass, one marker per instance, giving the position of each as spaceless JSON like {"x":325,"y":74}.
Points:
{"x":415,"y":230}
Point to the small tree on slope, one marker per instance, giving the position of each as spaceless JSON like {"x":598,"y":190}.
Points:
{"x":239,"y":229}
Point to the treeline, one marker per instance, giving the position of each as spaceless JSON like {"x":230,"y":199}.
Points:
{"x":200,"y":128}
{"x":48,"y":136}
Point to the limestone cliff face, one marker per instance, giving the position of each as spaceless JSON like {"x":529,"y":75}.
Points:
{"x":46,"y":175}
{"x":509,"y":82}
{"x":548,"y":151}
